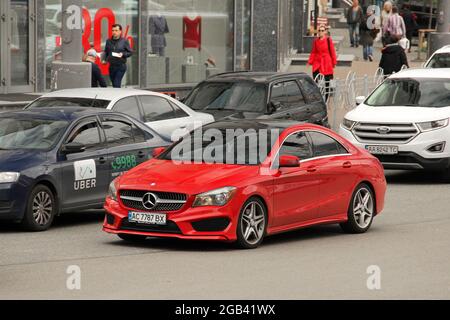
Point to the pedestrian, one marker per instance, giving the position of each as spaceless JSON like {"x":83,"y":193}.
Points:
{"x":396,"y":26}
{"x":385,"y":15}
{"x":117,"y":51}
{"x":323,"y":58}
{"x":393,"y":57}
{"x":97,"y":79}
{"x":368,"y":33}
{"x":354,"y":18}
{"x":411,"y":25}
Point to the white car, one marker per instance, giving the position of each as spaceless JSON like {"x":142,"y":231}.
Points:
{"x":405,"y":121}
{"x":439,"y":59}
{"x":160,"y":112}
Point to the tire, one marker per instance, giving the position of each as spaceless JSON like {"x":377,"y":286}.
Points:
{"x":252,"y":224}
{"x":40,"y":210}
{"x":134,"y":238}
{"x":360,"y":219}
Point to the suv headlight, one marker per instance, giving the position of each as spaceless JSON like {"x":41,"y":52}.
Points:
{"x":112,"y":190}
{"x":9,"y":177}
{"x":433,"y":125}
{"x":218,"y":197}
{"x":348,"y":124}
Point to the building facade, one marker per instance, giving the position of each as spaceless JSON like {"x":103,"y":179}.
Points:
{"x":177,"y":43}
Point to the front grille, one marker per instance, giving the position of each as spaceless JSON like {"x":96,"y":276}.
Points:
{"x":393,"y":132}
{"x":170,"y":227}
{"x":168,"y":201}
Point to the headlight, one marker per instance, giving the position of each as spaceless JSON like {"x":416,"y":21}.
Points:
{"x":9,"y":177}
{"x":348,"y":124}
{"x":433,"y":125}
{"x":112,"y":191}
{"x":219,"y":197}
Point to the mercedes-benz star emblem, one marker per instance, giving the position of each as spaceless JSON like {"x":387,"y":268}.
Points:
{"x":383,"y":130}
{"x":149,"y":200}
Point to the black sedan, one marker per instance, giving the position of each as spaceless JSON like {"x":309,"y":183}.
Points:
{"x":63,"y":159}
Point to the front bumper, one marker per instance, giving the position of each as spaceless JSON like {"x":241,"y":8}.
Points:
{"x":413,"y":155}
{"x":12,"y":202}
{"x":202,"y":223}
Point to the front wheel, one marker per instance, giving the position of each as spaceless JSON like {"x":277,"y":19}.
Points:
{"x":41,"y":209}
{"x":252,"y":224}
{"x":361,"y":210}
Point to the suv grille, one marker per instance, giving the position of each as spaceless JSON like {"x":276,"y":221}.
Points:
{"x":385,"y":132}
{"x":165,"y":201}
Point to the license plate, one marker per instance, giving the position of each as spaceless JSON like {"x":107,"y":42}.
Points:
{"x":382,"y":149}
{"x":147,"y":218}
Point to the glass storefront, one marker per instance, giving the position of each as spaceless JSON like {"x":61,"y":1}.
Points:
{"x":98,"y":18}
{"x":189,"y":40}
{"x":244,"y":14}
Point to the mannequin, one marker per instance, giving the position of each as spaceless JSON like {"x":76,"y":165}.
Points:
{"x":158,"y":28}
{"x":192,"y":30}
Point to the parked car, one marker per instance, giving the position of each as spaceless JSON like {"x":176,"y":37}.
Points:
{"x":260,"y":95}
{"x":439,"y":59}
{"x":54,"y":160}
{"x":405,"y":121}
{"x":160,"y":112}
{"x":307,"y":176}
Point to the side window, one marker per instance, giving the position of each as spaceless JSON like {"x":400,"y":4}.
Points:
{"x":118,"y":133}
{"x":297,"y":145}
{"x":128,"y":106}
{"x":293,"y":93}
{"x":139,"y":135}
{"x":179,"y":113}
{"x":156,"y":108}
{"x":278,"y":94}
{"x":325,"y":145}
{"x":86,"y":134}
{"x":311,"y":90}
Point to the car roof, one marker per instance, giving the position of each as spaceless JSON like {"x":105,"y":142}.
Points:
{"x":56,"y":113}
{"x":99,"y":93}
{"x":263,"y":77}
{"x":422,"y":73}
{"x":444,"y":49}
{"x":257,"y":124}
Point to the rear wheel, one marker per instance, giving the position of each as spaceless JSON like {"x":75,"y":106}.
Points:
{"x":361,"y":210}
{"x":40,"y":210}
{"x":132,"y":237}
{"x":252,"y":224}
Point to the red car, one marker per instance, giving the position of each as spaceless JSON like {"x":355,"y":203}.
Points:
{"x":241,"y":181}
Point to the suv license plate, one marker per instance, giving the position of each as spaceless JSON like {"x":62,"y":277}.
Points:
{"x":382,"y":149}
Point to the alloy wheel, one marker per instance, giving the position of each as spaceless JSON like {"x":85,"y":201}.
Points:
{"x":253,"y":223}
{"x":363,"y":207}
{"x":42,"y":208}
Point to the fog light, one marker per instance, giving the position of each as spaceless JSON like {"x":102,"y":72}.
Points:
{"x":438,"y":147}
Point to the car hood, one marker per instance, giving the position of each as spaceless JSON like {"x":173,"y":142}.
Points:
{"x":365,"y":113}
{"x":18,"y":160}
{"x":232,"y":114}
{"x":185,"y":178}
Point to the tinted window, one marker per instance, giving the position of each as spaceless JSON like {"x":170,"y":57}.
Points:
{"x":294,"y":93}
{"x":179,"y":113}
{"x":287,"y":93}
{"x":156,"y":109}
{"x":128,"y":106}
{"x":69,"y":102}
{"x":139,"y":135}
{"x":118,"y":133}
{"x":311,"y":90}
{"x":297,"y":145}
{"x":440,"y":60}
{"x":278,"y":94}
{"x":86,"y":134}
{"x":324,"y":145}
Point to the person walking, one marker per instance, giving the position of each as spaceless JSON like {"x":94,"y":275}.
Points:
{"x":117,"y":51}
{"x":97,"y":79}
{"x":368,"y":34}
{"x":411,"y":25}
{"x":396,"y":26}
{"x":354,"y":18}
{"x":393,"y":57}
{"x":385,"y":15}
{"x":323,"y":58}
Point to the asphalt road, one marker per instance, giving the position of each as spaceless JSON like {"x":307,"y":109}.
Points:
{"x":409,"y":242}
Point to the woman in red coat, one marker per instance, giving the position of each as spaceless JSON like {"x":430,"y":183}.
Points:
{"x":323,"y":57}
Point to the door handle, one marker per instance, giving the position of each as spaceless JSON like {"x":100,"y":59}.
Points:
{"x":141,"y":154}
{"x":311,"y":169}
{"x":102,"y":160}
{"x":347,"y":165}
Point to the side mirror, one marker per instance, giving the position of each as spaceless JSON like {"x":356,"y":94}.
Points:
{"x":287,"y":161}
{"x":73,"y":147}
{"x":158,"y":151}
{"x":273,"y":107}
{"x":360,"y":100}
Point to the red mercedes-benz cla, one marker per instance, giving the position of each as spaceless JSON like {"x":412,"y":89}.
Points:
{"x":241,"y":181}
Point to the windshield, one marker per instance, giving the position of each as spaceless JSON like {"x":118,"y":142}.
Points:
{"x":30,"y":133}
{"x":439,"y":60}
{"x":236,"y":96}
{"x":432,"y":93}
{"x":224,"y":146}
{"x":68,"y":102}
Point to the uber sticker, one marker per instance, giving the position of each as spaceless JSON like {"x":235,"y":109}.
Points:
{"x":85,"y":174}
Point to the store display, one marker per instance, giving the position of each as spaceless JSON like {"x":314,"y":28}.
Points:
{"x":192,"y":32}
{"x":158,"y":28}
